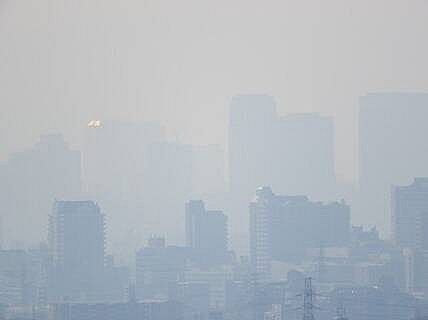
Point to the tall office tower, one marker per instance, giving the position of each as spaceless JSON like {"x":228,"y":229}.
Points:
{"x":157,"y":267}
{"x":77,"y":246}
{"x":31,"y":180}
{"x":392,"y":150}
{"x":409,"y":214}
{"x":283,"y":227}
{"x":294,"y":154}
{"x":206,"y":231}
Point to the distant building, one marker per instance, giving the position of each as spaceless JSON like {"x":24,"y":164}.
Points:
{"x":194,"y":297}
{"x":392,"y":150}
{"x":206,"y":232}
{"x":365,"y":303}
{"x":22,"y":279}
{"x":294,"y":154}
{"x":251,"y":128}
{"x":29,"y":181}
{"x":77,"y":246}
{"x":216,"y":279}
{"x":208,"y":171}
{"x":149,"y":310}
{"x":409,"y":214}
{"x":169,"y":171}
{"x":157,"y":267}
{"x":13,"y":267}
{"x":283,"y":227}
{"x":131,"y":168}
{"x":115,"y":174}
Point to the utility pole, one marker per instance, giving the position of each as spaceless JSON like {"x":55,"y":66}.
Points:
{"x":308,"y":298}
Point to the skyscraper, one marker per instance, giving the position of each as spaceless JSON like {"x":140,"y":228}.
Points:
{"x":392,"y":150}
{"x":77,"y":247}
{"x":31,"y":180}
{"x":206,"y":231}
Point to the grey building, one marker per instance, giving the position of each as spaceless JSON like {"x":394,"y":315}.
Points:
{"x":149,"y":310}
{"x":409,"y":221}
{"x":206,"y":232}
{"x":392,"y":150}
{"x":194,"y":297}
{"x":22,"y":277}
{"x":283,"y":227}
{"x":294,"y":154}
{"x":77,"y":248}
{"x":409,"y":214}
{"x":29,"y":181}
{"x":157,"y":267}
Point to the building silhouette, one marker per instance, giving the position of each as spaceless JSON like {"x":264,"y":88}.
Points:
{"x":392,"y":150}
{"x":29,"y":181}
{"x":293,"y":153}
{"x":206,"y":232}
{"x":409,"y":214}
{"x":115,"y":171}
{"x":158,"y":266}
{"x":283,"y":227}
{"x":76,"y":238}
{"x":409,"y":220}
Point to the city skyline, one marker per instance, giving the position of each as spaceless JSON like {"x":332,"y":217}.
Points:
{"x":213,"y":160}
{"x":109,"y":66}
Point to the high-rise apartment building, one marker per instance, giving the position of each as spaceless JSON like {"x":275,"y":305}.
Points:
{"x":392,"y":150}
{"x":409,"y":214}
{"x":409,"y":229}
{"x":77,"y":247}
{"x":205,"y":229}
{"x":283,"y":227}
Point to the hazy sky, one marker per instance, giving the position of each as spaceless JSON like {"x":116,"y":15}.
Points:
{"x":64,"y":62}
